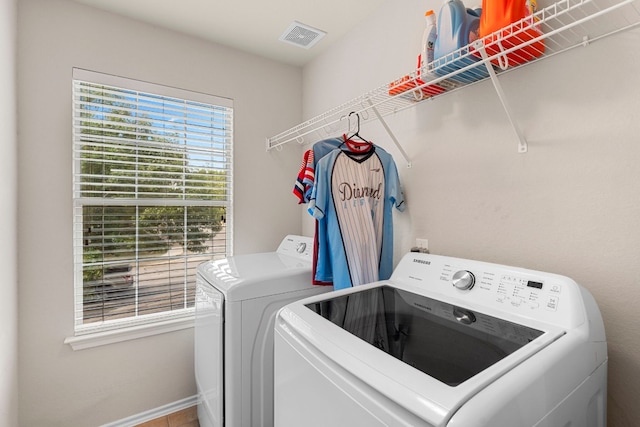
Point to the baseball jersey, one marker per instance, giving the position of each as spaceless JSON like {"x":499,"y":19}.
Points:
{"x":352,"y":199}
{"x":304,"y":175}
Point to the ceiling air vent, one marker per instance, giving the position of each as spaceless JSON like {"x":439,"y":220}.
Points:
{"x":302,"y":35}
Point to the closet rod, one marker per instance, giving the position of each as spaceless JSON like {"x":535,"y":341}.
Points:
{"x":299,"y":136}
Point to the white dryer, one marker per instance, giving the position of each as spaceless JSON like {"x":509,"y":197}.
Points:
{"x":237,"y":299}
{"x":444,"y":342}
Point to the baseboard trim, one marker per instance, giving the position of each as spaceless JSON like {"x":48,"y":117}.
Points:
{"x":152,"y":414}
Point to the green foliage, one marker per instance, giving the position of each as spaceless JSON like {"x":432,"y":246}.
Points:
{"x":140,"y":164}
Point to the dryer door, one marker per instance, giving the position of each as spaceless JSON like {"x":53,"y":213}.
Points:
{"x":209,"y":353}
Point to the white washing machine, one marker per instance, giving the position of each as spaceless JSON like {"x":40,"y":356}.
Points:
{"x":444,"y":342}
{"x":237,"y":299}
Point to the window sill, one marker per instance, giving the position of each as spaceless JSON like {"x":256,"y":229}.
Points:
{"x":97,"y":339}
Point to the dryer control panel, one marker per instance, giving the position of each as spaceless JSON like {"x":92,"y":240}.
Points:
{"x":300,"y":247}
{"x":525,"y":293}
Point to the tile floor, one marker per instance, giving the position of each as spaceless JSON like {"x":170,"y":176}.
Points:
{"x":185,"y":418}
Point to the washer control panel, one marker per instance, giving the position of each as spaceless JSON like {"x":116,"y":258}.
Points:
{"x":515,"y":290}
{"x":528,"y":293}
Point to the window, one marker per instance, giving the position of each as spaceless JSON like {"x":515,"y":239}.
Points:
{"x":152,"y":198}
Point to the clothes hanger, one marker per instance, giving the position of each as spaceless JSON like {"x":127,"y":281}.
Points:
{"x":353,"y":145}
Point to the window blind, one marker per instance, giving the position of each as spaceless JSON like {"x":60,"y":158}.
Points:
{"x":152,"y":197}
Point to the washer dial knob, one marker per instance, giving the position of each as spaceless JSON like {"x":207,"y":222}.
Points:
{"x":301,"y":247}
{"x":463,"y":280}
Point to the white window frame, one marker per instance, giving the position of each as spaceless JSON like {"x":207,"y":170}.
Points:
{"x":109,"y":331}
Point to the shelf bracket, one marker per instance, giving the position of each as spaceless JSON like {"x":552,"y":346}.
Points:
{"x":522,"y":143}
{"x":393,"y":137}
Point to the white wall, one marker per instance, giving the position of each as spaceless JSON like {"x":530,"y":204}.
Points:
{"x":570,"y":205}
{"x":60,"y":387}
{"x":8,"y":217}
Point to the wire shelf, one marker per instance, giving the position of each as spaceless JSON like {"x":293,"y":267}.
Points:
{"x":562,"y":26}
